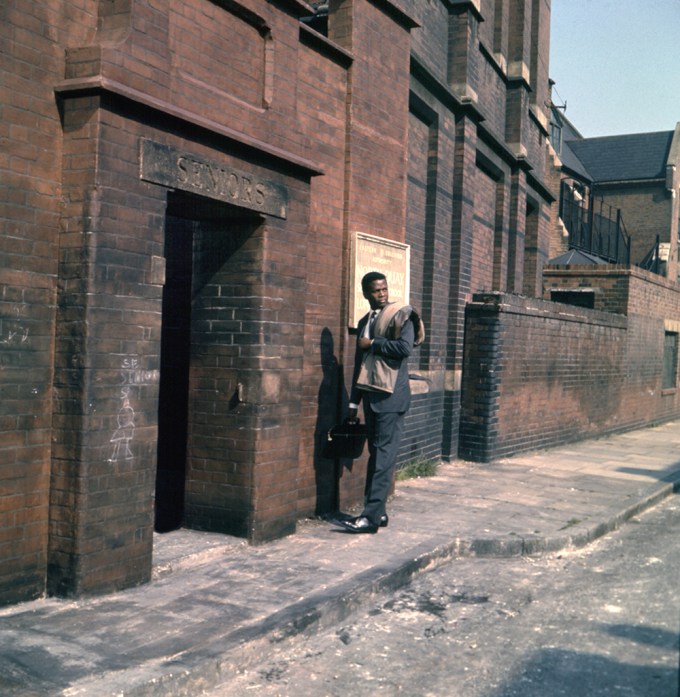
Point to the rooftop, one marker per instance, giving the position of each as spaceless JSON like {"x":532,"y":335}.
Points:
{"x":625,"y":157}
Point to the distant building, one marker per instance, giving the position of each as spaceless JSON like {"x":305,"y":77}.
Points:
{"x":617,"y":195}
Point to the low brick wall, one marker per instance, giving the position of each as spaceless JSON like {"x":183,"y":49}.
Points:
{"x":539,"y":373}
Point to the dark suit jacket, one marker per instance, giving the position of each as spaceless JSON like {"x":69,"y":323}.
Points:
{"x":396,"y":353}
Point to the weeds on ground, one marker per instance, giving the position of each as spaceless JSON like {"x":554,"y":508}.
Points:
{"x":570,"y":523}
{"x":420,"y":467}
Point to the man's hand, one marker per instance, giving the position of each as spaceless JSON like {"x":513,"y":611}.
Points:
{"x":352,"y":416}
{"x":365,"y":343}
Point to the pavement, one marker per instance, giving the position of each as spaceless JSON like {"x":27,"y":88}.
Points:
{"x":217,"y":605}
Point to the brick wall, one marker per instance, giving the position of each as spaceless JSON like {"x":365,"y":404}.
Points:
{"x":429,"y":282}
{"x":328,"y":349}
{"x":431,"y":41}
{"x":106,"y":365}
{"x":30,"y":155}
{"x":483,"y":233}
{"x":378,"y":120}
{"x":538,"y":374}
{"x":557,"y":239}
{"x":646,"y":212}
{"x":486,"y":204}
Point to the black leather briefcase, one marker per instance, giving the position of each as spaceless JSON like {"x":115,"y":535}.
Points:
{"x":345,"y":440}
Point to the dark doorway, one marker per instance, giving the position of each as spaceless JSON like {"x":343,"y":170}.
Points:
{"x":208,"y":264}
{"x":174,"y":380}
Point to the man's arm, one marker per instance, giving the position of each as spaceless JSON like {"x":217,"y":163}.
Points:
{"x":395,"y":348}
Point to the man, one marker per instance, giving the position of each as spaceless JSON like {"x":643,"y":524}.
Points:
{"x":385,"y":340}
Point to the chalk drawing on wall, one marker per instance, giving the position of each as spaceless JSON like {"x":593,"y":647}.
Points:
{"x":124,"y":433}
{"x":13,"y":332}
{"x":131,"y":377}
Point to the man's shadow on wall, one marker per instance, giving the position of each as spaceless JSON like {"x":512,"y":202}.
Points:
{"x":332,"y":407}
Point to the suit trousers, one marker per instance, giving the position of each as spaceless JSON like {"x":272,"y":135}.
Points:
{"x":384,"y":431}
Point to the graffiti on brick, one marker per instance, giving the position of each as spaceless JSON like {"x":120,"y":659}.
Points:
{"x":15,"y":336}
{"x":13,"y":332}
{"x":131,"y":376}
{"x":123,"y":435}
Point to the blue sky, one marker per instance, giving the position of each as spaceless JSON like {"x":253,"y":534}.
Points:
{"x":617,"y":64}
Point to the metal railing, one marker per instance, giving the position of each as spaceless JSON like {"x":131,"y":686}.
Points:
{"x":600,"y":232}
{"x":652,"y":261}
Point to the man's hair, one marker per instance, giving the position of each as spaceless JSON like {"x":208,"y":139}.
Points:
{"x":369,"y":278}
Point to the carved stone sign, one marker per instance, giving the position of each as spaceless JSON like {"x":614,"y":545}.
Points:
{"x":161,"y":164}
{"x":370,"y":253}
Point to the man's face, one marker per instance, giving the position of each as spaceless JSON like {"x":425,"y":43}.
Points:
{"x":377,"y":294}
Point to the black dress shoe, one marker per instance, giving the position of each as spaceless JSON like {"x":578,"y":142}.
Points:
{"x":340,"y":522}
{"x":359,"y":525}
{"x":384,"y":521}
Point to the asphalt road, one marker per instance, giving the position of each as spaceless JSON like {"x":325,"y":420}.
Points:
{"x":593,"y":622}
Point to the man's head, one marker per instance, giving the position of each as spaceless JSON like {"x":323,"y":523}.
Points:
{"x":374,"y":286}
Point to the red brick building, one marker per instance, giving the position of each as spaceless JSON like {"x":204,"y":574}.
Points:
{"x":541,"y":373}
{"x":636,"y":175}
{"x":180,"y":185}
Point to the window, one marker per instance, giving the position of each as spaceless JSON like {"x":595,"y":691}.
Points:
{"x":670,"y":361}
{"x":556,"y":136}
